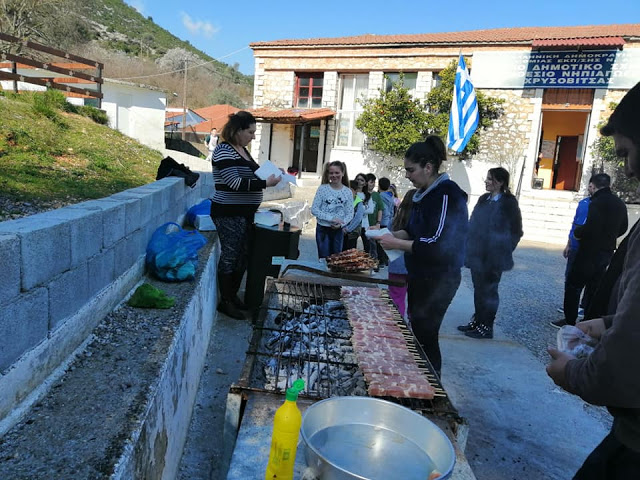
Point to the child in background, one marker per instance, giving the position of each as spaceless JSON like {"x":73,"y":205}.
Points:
{"x":333,"y":208}
{"x":397,"y":268}
{"x":376,"y":216}
{"x":352,"y":229}
{"x":384,"y":185}
{"x":394,"y":190}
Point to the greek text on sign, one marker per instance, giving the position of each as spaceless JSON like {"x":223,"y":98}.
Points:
{"x":586,"y":69}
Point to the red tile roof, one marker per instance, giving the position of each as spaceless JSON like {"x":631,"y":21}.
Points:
{"x":522,"y":35}
{"x":291,"y":115}
{"x":216,"y":115}
{"x":593,"y":42}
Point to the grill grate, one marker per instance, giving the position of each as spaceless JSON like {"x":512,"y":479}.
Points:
{"x":303,"y":331}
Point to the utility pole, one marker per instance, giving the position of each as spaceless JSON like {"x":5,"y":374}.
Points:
{"x":184,"y":102}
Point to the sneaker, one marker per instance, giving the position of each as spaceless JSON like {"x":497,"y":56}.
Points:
{"x":481,"y":331}
{"x":469,"y":326}
{"x":559,"y":323}
{"x":580,"y":311}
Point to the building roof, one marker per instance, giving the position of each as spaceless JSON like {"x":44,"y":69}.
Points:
{"x":291,"y":115}
{"x":216,"y":116}
{"x":592,"y":42}
{"x":521,"y":35}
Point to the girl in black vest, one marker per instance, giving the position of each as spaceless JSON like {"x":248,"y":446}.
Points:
{"x":495,"y":229}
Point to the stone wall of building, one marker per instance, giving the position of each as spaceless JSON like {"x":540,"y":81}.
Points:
{"x":506,"y":141}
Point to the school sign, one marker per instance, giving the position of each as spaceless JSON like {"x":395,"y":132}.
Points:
{"x":585,"y":69}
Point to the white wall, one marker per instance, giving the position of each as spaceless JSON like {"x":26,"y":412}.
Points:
{"x":136,"y":111}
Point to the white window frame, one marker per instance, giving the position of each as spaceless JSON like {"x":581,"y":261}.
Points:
{"x":413,"y":78}
{"x":350,"y":111}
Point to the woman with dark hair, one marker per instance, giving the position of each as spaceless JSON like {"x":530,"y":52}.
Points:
{"x":434,"y":242}
{"x":237,"y":195}
{"x":495,"y":229}
{"x":333,"y":208}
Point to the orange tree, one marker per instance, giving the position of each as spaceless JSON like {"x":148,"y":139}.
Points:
{"x":392,"y":121}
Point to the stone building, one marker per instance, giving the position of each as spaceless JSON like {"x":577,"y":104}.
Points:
{"x":556,"y":83}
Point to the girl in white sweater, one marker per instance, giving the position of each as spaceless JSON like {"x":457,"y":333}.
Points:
{"x":333,"y":208}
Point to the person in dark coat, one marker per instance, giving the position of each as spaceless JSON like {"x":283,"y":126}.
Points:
{"x":495,"y":229}
{"x":606,"y":221}
{"x":609,"y":375}
{"x":433,"y":241}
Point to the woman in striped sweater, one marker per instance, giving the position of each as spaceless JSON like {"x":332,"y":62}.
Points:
{"x":237,"y":196}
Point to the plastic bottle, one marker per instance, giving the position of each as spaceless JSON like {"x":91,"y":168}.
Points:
{"x":284,"y":440}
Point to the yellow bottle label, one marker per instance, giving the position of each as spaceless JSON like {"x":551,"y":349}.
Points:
{"x":282,"y":456}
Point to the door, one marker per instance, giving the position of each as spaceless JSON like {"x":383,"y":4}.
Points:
{"x":565,"y":167}
{"x":309,"y":146}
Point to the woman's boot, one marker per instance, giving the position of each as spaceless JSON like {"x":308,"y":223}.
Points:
{"x":227,"y":293}
{"x":237,"y":281}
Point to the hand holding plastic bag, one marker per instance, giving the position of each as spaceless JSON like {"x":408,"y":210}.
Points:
{"x":173,"y":255}
{"x":575,"y":342}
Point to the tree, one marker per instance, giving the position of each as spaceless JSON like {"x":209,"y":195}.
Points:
{"x":175,"y":59}
{"x":439,"y":104}
{"x":392,"y":121}
{"x":604,"y":150}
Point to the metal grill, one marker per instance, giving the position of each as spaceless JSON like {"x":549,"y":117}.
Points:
{"x":303,"y":331}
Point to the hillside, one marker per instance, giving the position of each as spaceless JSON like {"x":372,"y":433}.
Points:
{"x":129,"y":45}
{"x":117,"y":26}
{"x":50,"y":157}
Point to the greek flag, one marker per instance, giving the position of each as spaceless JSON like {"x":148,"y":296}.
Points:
{"x":463,"y":120}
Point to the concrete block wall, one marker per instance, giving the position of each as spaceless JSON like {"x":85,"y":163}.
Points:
{"x":57,"y":264}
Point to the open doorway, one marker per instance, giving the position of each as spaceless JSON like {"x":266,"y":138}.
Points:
{"x":562,"y":149}
{"x":310,"y":143}
{"x":564,"y":126}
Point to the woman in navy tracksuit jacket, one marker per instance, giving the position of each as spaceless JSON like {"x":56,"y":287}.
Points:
{"x":433,"y":241}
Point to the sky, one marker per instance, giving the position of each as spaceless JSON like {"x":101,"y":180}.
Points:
{"x":224,"y":29}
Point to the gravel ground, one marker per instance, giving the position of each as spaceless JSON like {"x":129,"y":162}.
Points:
{"x":530,"y":295}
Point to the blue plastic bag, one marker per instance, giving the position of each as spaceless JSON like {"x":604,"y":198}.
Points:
{"x":202,"y":208}
{"x":173,"y":255}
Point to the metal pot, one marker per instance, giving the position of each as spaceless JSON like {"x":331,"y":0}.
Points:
{"x":368,"y":438}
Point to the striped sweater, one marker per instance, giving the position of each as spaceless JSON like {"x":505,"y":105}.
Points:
{"x":238,"y":192}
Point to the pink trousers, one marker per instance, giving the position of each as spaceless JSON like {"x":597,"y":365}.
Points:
{"x":399,"y":294}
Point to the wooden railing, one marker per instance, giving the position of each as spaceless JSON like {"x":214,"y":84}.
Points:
{"x":70,"y":71}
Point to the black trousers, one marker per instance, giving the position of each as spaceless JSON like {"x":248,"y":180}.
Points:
{"x":485,"y":295}
{"x":584,"y":273}
{"x":428,"y":302}
{"x":610,"y":460}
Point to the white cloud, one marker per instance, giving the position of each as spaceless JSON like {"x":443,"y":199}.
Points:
{"x":138,"y":5}
{"x":198,"y":27}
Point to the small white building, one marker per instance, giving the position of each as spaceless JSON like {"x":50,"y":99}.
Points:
{"x":136,"y":110}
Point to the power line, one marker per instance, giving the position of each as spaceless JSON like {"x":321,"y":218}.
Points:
{"x":195,"y":66}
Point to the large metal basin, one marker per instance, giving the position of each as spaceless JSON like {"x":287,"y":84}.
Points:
{"x":372,"y":439}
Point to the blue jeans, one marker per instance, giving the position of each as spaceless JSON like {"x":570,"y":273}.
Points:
{"x":329,"y":240}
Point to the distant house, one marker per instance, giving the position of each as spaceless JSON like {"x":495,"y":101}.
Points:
{"x":134,"y":109}
{"x":216,"y":116}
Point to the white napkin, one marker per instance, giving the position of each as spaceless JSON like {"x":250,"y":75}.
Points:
{"x":379,"y":232}
{"x":268,"y":168}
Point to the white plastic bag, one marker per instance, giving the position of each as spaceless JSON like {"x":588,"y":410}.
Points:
{"x":575,"y":342}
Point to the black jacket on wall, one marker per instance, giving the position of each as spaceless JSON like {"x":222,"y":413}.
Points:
{"x":495,"y":228}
